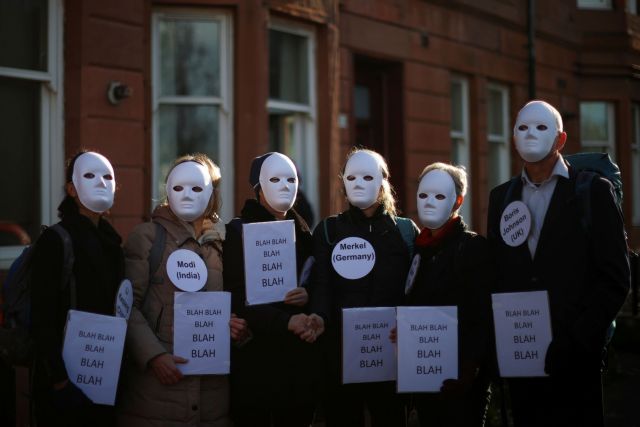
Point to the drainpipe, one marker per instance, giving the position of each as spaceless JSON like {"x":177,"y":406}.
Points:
{"x":531,"y":46}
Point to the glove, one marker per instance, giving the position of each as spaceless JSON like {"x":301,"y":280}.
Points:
{"x":69,"y":397}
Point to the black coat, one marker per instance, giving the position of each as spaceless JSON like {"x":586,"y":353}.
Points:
{"x":586,"y":272}
{"x":458,"y":271}
{"x":273,"y":369}
{"x":98,"y":270}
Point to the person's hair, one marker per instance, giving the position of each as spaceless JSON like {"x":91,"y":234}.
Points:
{"x":68,"y":205}
{"x":551,"y":108}
{"x":213,"y":208}
{"x":386,"y":196}
{"x":457,"y":173}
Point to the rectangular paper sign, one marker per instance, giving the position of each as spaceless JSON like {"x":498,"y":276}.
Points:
{"x":523,"y":332}
{"x":92,"y":353}
{"x":427,"y":348}
{"x":201,"y":332}
{"x":269,"y":260}
{"x":367,"y":353}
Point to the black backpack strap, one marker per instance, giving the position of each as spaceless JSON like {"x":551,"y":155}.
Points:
{"x":513,"y":182}
{"x":67,"y":266}
{"x":236,"y":225}
{"x":408,"y":233}
{"x":155,"y":254}
{"x":583,"y":193}
{"x":329,"y":223}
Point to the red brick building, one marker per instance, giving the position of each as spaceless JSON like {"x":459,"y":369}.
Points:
{"x":418,"y":80}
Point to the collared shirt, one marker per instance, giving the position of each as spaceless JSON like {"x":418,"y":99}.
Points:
{"x":537,"y":197}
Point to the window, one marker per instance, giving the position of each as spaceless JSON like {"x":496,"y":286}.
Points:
{"x":635,"y":166}
{"x":597,"y":127}
{"x":594,"y":4}
{"x":31,"y":151}
{"x":632,"y":6}
{"x":292,"y":104}
{"x":460,"y":150}
{"x":192,"y":94}
{"x":498,"y":134}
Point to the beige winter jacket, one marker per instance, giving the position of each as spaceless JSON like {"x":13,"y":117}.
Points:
{"x":197,"y":400}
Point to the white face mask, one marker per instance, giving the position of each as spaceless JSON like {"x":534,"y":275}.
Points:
{"x":279,"y":182}
{"x":189,"y":190}
{"x":435,"y":199}
{"x":94,"y":181}
{"x":362,"y":179}
{"x":535,"y":132}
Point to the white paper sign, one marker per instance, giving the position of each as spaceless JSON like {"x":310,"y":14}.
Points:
{"x":269,"y":260}
{"x":427,"y":348}
{"x":92,"y":353}
{"x":186,"y":270}
{"x":515,"y":223}
{"x":353,"y":258}
{"x":367,"y":353}
{"x":201,"y":332}
{"x":124,"y":299}
{"x":523,"y":332}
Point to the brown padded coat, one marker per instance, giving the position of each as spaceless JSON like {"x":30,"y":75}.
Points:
{"x":196,"y":400}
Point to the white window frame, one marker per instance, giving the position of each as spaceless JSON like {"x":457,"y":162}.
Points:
{"x":594,"y":4}
{"x":306,"y":119}
{"x":51,"y":129}
{"x":462,"y":144}
{"x":224,"y":102}
{"x":610,"y":142}
{"x":635,"y":165}
{"x":504,"y":165}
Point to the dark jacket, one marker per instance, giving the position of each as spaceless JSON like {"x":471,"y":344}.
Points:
{"x":272,"y":370}
{"x":457,"y":271}
{"x":98,"y":270}
{"x":586,"y":272}
{"x":382,"y":287}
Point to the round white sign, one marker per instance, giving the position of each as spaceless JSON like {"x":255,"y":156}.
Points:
{"x":411,"y":277}
{"x":515,"y":223}
{"x":353,"y":258}
{"x":124,"y":299}
{"x":186,"y":270}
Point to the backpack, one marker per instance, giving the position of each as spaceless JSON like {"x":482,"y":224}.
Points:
{"x":16,"y":343}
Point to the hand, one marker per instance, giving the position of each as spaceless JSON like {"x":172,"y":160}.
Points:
{"x":298,"y":297}
{"x":298,"y":323}
{"x":454,"y":387}
{"x":66,"y":395}
{"x":60,"y":385}
{"x":393,"y":335}
{"x":164,"y":368}
{"x":239,"y":328}
{"x":315,"y":328}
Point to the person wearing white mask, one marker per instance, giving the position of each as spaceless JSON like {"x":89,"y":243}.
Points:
{"x":379,"y":282}
{"x":273,"y":375}
{"x":154,"y":391}
{"x":453,"y":268}
{"x":584,"y":271}
{"x":97,"y":269}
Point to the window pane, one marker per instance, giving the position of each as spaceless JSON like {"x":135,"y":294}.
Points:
{"x":456,"y":107}
{"x":594,"y":124}
{"x":288,"y":67}
{"x":189,"y":57}
{"x":185,"y":129}
{"x":495,"y":168}
{"x":635,"y":196}
{"x":457,"y":154}
{"x":23,"y":34}
{"x":362,"y":102}
{"x":19,"y":160}
{"x":282,"y":134}
{"x":495,"y":116}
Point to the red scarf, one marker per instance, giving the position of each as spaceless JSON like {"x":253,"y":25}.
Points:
{"x":426,"y":237}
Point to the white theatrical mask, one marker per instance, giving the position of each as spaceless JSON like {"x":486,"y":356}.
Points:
{"x":189,"y":190}
{"x":362,"y":179}
{"x":94,"y":181}
{"x":279,"y":182}
{"x":436,"y":198}
{"x":535,"y":131}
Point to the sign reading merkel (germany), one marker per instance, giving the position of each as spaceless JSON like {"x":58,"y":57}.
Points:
{"x":269,"y":260}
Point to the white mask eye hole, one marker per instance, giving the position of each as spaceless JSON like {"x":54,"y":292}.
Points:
{"x":197,"y":189}
{"x":542,"y":127}
{"x":440,"y":196}
{"x":422,"y":195}
{"x":108,"y":177}
{"x":274,"y":179}
{"x":291,"y":180}
{"x":368,"y":178}
{"x":89,"y":175}
{"x":351,"y":178}
{"x":523,"y":127}
{"x":178,"y":188}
